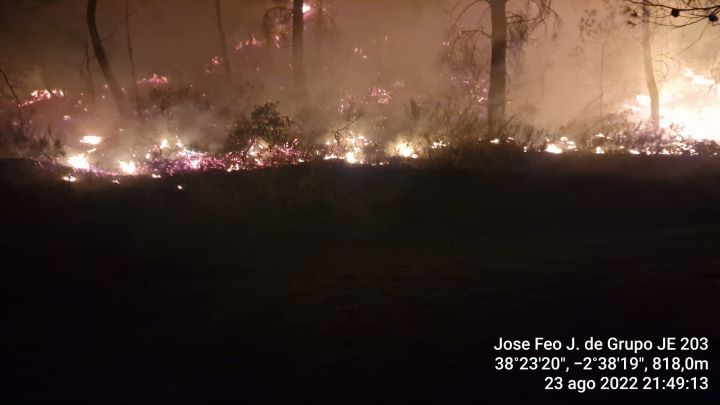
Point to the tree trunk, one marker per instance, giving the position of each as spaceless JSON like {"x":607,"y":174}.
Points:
{"x":131,"y":55}
{"x":498,"y":64}
{"x":102,"y":57}
{"x":602,"y":80}
{"x":320,"y":28}
{"x":650,"y":73}
{"x":298,"y":53}
{"x":223,"y":41}
{"x":88,"y":71}
{"x":602,"y":86}
{"x":10,"y":86}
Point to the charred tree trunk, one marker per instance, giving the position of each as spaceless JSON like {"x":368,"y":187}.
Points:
{"x":131,"y":55}
{"x":10,"y":86}
{"x":498,"y":63}
{"x":602,"y":80}
{"x":102,"y":57}
{"x":88,"y":72}
{"x":223,"y":41}
{"x":650,"y":73}
{"x":298,"y":52}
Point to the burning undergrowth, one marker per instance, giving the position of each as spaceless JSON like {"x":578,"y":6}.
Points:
{"x":180,"y":129}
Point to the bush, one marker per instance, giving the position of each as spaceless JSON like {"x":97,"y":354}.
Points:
{"x":20,"y":138}
{"x":265,"y":124}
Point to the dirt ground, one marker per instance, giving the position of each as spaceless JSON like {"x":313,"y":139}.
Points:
{"x":332,"y":284}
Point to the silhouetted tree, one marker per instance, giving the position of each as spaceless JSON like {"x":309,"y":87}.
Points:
{"x":10,"y":86}
{"x":131,"y":55}
{"x":513,"y":22}
{"x":597,"y":27}
{"x":498,"y":62}
{"x":298,"y":52}
{"x":102,"y":56}
{"x":223,"y":41}
{"x":87,"y":70}
{"x":678,"y":13}
{"x":650,"y":71}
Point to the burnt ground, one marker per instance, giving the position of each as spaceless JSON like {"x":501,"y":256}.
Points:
{"x":348,"y":285}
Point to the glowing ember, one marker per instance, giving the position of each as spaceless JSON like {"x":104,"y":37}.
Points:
{"x":252,"y":42}
{"x":383,"y":96}
{"x":79,"y":162}
{"x":349,"y":147}
{"x":70,"y":178}
{"x":154,"y":80}
{"x":91,"y":140}
{"x":40,"y":95}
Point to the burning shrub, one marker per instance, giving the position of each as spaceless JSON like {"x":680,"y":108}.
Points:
{"x":265,"y":128}
{"x":618,"y":133}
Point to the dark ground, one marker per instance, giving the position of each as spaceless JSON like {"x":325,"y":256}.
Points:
{"x":348,"y":285}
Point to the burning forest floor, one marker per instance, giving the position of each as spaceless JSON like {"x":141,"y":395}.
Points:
{"x":327,"y":282}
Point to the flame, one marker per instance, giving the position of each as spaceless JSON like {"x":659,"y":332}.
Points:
{"x":698,"y":80}
{"x":404,"y":149}
{"x":552,"y":148}
{"x":350,"y":158}
{"x":689,"y":104}
{"x":350,"y":148}
{"x":79,"y":162}
{"x":91,"y":140}
{"x":129,"y":168}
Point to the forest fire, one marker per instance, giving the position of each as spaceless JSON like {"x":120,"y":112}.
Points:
{"x":359,"y":201}
{"x":690,"y":104}
{"x":396,"y":118}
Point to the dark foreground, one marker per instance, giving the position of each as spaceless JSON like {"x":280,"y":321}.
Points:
{"x":348,"y":285}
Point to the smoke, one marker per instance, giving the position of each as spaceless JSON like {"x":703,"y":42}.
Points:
{"x":375,"y":67}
